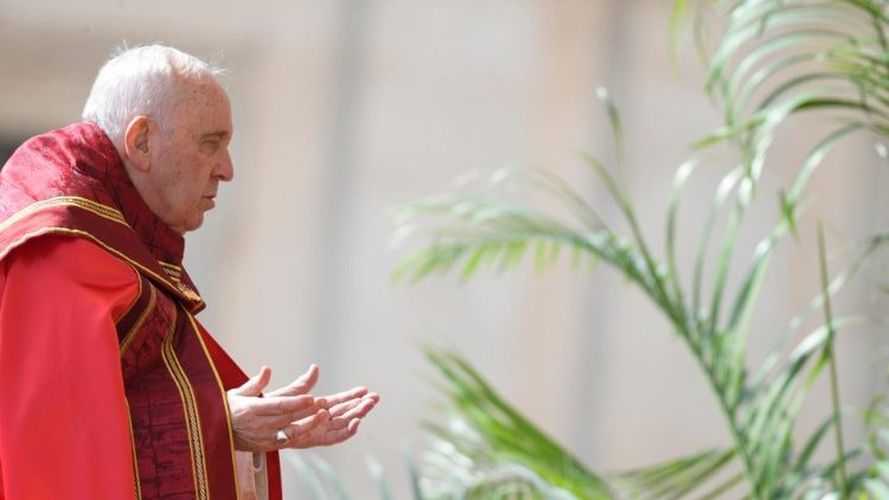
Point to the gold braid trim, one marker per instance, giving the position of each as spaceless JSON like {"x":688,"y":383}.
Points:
{"x":192,"y":418}
{"x":96,"y":208}
{"x":128,"y":338}
{"x":228,"y":414}
{"x":171,"y":268}
{"x":106,"y":212}
{"x":186,"y":291}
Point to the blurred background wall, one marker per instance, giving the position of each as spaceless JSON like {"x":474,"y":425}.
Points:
{"x":346,"y":108}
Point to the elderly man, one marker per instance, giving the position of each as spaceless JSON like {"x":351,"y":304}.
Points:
{"x":109,"y":386}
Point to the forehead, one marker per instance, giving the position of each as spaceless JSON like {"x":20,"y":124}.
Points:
{"x":203,"y":104}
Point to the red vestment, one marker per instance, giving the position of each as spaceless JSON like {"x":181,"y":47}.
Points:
{"x":109,"y":387}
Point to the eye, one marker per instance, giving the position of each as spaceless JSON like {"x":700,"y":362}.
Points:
{"x":209,"y":146}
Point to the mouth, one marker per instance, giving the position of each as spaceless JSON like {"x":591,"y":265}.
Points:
{"x":210,"y":201}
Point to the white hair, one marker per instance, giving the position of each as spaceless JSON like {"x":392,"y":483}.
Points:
{"x":141,"y":81}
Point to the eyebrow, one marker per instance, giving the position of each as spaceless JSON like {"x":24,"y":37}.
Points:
{"x":219,"y":134}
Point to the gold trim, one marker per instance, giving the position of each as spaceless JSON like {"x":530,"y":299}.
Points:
{"x":136,"y":480}
{"x":65,"y":230}
{"x":189,"y":407}
{"x":131,"y":335}
{"x":199,"y":465}
{"x":99,"y":209}
{"x":170,"y":267}
{"x":174,"y":272}
{"x":186,"y":290}
{"x":228,"y":415}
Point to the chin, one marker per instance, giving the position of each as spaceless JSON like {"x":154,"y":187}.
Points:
{"x":195,"y":224}
{"x":190,"y":225}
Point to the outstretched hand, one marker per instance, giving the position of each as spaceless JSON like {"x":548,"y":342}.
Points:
{"x":290,"y":417}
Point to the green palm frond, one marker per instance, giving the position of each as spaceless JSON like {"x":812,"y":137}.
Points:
{"x":448,"y":474}
{"x":679,"y":477}
{"x":509,"y":437}
{"x":878,"y":484}
{"x":774,"y":59}
{"x":828,"y":357}
{"x":874,"y":482}
{"x":486,"y":231}
{"x":488,"y":444}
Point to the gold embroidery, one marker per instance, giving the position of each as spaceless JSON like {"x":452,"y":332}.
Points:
{"x":171,"y":268}
{"x":103,"y":211}
{"x":192,"y":418}
{"x":228,"y":415}
{"x":175,"y":274}
{"x":128,"y":338}
{"x":191,"y":295}
{"x":186,"y":291}
{"x":199,"y":465}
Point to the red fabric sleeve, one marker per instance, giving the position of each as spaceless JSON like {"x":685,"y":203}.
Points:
{"x":64,"y":425}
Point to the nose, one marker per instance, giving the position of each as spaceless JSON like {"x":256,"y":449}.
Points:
{"x":225,"y":169}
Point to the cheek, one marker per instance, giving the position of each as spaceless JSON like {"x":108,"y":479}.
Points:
{"x":192,"y":176}
{"x":180,"y":192}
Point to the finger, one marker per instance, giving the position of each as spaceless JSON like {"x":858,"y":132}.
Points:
{"x":342,"y":397}
{"x":356,"y":413}
{"x":371,"y":396}
{"x":305,"y":382}
{"x":265,"y":424}
{"x":285,"y":419}
{"x":302,"y":385}
{"x":305,"y":431}
{"x":255,"y":384}
{"x":288,"y":407}
{"x":342,"y":408}
{"x":361,"y":410}
{"x":339,"y":435}
{"x":353,"y":426}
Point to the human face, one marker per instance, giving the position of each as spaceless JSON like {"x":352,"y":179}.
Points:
{"x":190,"y":155}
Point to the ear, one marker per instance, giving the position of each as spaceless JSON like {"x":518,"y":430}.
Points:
{"x":136,"y":144}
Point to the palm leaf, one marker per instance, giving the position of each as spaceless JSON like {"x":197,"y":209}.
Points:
{"x":774,"y":60}
{"x":675,"y":478}
{"x":491,"y":432}
{"x":841,"y":42}
{"x":509,"y":436}
{"x":828,"y":355}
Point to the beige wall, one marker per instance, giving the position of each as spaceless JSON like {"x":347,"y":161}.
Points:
{"x":346,"y":108}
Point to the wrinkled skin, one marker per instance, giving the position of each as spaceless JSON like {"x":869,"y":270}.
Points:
{"x":306,"y":420}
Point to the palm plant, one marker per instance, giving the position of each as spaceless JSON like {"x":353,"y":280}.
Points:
{"x":773,"y":60}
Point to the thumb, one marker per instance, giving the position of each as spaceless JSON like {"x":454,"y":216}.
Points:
{"x":256,"y":383}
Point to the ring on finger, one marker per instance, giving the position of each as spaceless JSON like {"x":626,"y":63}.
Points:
{"x":282,"y":437}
